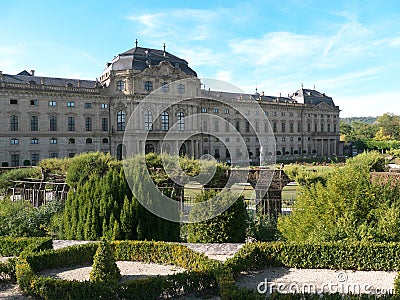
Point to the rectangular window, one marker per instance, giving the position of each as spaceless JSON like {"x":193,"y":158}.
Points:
{"x":226,"y":111}
{"x":203,"y":110}
{"x":205,"y":125}
{"x":120,"y":120}
{"x":88,"y":105}
{"x":34,"y":159}
{"x":53,"y":141}
{"x":53,"y":123}
{"x":322,"y":127}
{"x":34,"y":102}
{"x":13,"y":101}
{"x":104,"y":124}
{"x":315,"y":127}
{"x":70,"y":104}
{"x":216,"y":153}
{"x":14,"y":141}
{"x":274,"y":127}
{"x":216,"y":110}
{"x":14,"y":123}
{"x":71,"y":123}
{"x":104,"y":105}
{"x":53,"y":155}
{"x":329,"y":127}
{"x":298,"y":127}
{"x":216,"y":126}
{"x":237,"y":125}
{"x":34,"y":141}
{"x":34,"y":123}
{"x":52,"y":103}
{"x":266,"y":125}
{"x":88,"y":124}
{"x":257,"y":126}
{"x":309,"y":127}
{"x":283,"y":127}
{"x":247,"y":127}
{"x":227,"y":126}
{"x":14,"y":160}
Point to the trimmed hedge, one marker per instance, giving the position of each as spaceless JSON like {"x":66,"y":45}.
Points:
{"x":12,"y":246}
{"x":202,"y":274}
{"x":334,"y":255}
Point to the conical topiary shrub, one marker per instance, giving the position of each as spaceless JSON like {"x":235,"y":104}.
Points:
{"x":104,"y":267}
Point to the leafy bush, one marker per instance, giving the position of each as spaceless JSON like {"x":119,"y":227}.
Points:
{"x":7,"y":270}
{"x":7,"y":177}
{"x":105,"y":269}
{"x":227,"y":227}
{"x":349,"y":207}
{"x":85,"y":165}
{"x":20,"y":218}
{"x":58,"y":166}
{"x":262,"y":227}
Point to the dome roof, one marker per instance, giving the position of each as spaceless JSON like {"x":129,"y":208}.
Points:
{"x":139,"y":58}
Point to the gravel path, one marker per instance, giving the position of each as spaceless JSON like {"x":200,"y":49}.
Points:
{"x":129,"y":270}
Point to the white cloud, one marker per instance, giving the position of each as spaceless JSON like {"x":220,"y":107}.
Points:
{"x":224,"y":75}
{"x":364,"y":104}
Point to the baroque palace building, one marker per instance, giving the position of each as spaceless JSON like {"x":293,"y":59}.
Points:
{"x":42,"y":117}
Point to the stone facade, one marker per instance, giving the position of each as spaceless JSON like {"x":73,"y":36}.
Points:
{"x":43,"y":117}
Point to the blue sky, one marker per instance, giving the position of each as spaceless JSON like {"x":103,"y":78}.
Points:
{"x":348,"y":49}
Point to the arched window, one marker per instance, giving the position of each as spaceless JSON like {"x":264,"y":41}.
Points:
{"x":166,"y":148}
{"x":89,"y":141}
{"x":120,"y":85}
{"x":181,"y":120}
{"x":120,"y":151}
{"x":105,"y":141}
{"x":71,"y":141}
{"x":182,"y":150}
{"x":165,"y":121}
{"x":291,"y":127}
{"x":120,"y":120}
{"x":148,"y":86}
{"x":148,"y":120}
{"x":165,"y":87}
{"x":181,"y":88}
{"x":149,"y":148}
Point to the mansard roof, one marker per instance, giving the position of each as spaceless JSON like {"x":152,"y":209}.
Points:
{"x":139,"y":58}
{"x":312,"y":97}
{"x":27,"y":78}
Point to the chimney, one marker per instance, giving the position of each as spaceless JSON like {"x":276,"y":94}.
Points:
{"x":33,"y":72}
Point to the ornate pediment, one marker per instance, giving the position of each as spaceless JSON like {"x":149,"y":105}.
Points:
{"x":324,"y":106}
{"x":163,"y":69}
{"x":120,"y":106}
